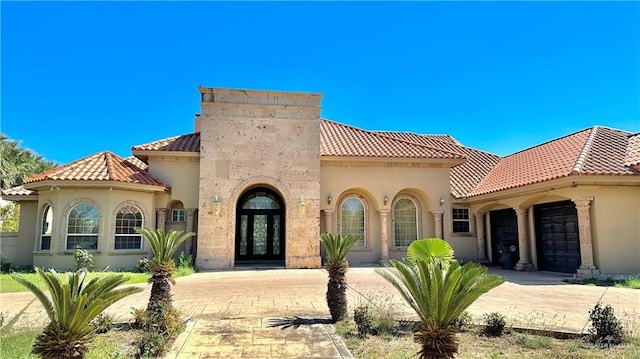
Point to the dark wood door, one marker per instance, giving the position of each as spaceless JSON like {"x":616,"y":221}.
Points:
{"x":260,"y":226}
{"x":504,"y":233}
{"x":557,"y":237}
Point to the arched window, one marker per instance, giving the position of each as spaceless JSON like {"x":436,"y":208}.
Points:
{"x":128,"y":219}
{"x":45,"y":231}
{"x":83,"y":227}
{"x":405,"y":222}
{"x":352,"y":220}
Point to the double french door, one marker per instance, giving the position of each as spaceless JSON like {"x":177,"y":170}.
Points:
{"x":260,"y":226}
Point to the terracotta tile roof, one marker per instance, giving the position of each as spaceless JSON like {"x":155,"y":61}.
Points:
{"x":18,"y":191}
{"x":632,"y":154}
{"x":594,"y":151}
{"x":346,"y":141}
{"x":183,"y":143}
{"x":465,"y":177}
{"x":137,"y":162}
{"x":103,"y":166}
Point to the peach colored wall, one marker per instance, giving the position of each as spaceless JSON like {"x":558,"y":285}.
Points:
{"x":107,"y":202}
{"x":182,"y":175}
{"x":17,"y":247}
{"x":615,"y":218}
{"x":373,"y":181}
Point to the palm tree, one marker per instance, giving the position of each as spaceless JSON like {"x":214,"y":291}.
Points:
{"x":74,"y":302}
{"x":439,"y":290}
{"x":163,"y":245}
{"x":19,"y":163}
{"x":337,"y":248}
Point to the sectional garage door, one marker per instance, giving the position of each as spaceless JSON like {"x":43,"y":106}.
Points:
{"x":557,"y":239}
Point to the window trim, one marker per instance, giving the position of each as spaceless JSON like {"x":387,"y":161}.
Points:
{"x":68,"y":218}
{"x":365,"y":243}
{"x":393,"y":220}
{"x":46,"y":212}
{"x":115,"y":232}
{"x":178,"y":210}
{"x":453,"y":220}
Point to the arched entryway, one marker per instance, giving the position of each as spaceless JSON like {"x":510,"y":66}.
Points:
{"x":260,"y":227}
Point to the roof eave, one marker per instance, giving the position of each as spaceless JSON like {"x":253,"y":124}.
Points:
{"x":94,"y":184}
{"x":148,"y":153}
{"x":450,"y":161}
{"x":19,"y":197}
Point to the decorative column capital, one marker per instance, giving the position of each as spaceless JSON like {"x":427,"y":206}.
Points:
{"x":521,"y":210}
{"x":383,"y":212}
{"x":161,"y":210}
{"x":584,"y":201}
{"x":327,"y":211}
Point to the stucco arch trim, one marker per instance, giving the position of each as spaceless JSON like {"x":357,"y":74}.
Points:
{"x":65,"y":220}
{"x":39,"y":222}
{"x":146,"y":217}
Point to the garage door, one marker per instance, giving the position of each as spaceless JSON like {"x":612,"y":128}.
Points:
{"x":557,"y":239}
{"x":504,"y":233}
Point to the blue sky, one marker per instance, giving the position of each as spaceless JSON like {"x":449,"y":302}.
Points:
{"x":82,"y":77}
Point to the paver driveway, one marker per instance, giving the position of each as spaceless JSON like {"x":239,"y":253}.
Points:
{"x":279,"y":313}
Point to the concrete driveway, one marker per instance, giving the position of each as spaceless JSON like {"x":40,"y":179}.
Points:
{"x":278,"y":313}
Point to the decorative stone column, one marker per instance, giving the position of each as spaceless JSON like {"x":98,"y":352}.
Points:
{"x":188,"y":246}
{"x":587,"y":268}
{"x":437,"y":220}
{"x":384,"y":236}
{"x":524,"y":264}
{"x":328,"y":220}
{"x":482,"y":245}
{"x":161,"y":218}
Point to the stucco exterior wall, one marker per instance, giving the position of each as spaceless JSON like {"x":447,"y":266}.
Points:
{"x":17,"y":247}
{"x":107,"y":202}
{"x":251,"y":139}
{"x":425,"y":184}
{"x":182,"y":174}
{"x":614,"y":217}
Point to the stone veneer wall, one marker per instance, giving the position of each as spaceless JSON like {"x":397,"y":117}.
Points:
{"x":258,"y":138}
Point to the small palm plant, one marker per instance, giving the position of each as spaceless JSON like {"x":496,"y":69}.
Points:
{"x":163,"y":245}
{"x":75,"y":301}
{"x":337,"y":247}
{"x":439,"y":290}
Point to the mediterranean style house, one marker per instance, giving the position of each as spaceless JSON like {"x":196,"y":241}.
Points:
{"x":263,"y":175}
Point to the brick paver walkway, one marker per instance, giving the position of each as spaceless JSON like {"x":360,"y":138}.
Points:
{"x":283,"y":314}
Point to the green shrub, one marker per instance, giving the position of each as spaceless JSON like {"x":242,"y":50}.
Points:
{"x":5,"y":266}
{"x":463,"y":322}
{"x":102,"y":323}
{"x":362,"y":318}
{"x":606,"y":328}
{"x":83,"y":259}
{"x":143,"y":265}
{"x":185,"y":261}
{"x":494,"y":324}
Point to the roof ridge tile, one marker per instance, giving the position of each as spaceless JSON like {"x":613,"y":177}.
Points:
{"x":585,"y":151}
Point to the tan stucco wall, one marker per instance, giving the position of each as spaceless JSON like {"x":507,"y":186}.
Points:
{"x":107,"y":202}
{"x":182,"y":174}
{"x":373,"y":181}
{"x":614,"y":212}
{"x":258,"y":138}
{"x":17,"y":247}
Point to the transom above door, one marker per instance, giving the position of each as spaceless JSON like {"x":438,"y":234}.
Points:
{"x":260,"y":226}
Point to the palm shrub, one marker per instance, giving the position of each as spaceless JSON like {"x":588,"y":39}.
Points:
{"x":163,"y":246}
{"x":75,"y":302}
{"x":161,"y":321}
{"x":439,"y":290}
{"x":337,"y":247}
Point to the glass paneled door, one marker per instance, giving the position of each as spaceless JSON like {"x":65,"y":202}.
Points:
{"x":259,"y":234}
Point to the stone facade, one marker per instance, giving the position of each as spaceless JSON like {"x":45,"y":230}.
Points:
{"x":258,"y":139}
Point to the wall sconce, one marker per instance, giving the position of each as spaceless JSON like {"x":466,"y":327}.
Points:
{"x":386,"y":199}
{"x":441,"y":201}
{"x":216,"y":205}
{"x":329,"y":199}
{"x":302,"y":208}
